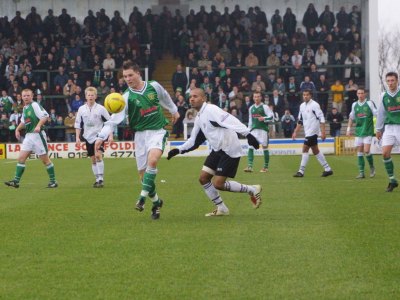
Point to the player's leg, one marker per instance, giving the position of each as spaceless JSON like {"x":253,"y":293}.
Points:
{"x":388,"y":140}
{"x":50,"y":170}
{"x":369,"y":156}
{"x":360,"y":160}
{"x":206,"y":174}
{"x":19,"y":170}
{"x":264,"y":143}
{"x":154,"y":141}
{"x":320,"y":157}
{"x":250,"y":160}
{"x":304,"y":159}
{"x":227,"y":168}
{"x":99,"y":162}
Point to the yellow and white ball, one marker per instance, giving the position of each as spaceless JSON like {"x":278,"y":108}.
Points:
{"x":114,"y":103}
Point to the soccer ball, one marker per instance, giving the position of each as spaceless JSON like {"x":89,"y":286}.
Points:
{"x":114,"y":103}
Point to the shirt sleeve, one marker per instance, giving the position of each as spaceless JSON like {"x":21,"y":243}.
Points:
{"x":226,"y":120}
{"x":373,"y":108}
{"x":40,"y":112}
{"x":268,"y":113}
{"x":165,"y":98}
{"x":250,"y":123}
{"x":380,"y":117}
{"x":319,"y":113}
{"x":192,"y":140}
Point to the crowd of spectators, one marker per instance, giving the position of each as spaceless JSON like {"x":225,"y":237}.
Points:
{"x":230,"y":54}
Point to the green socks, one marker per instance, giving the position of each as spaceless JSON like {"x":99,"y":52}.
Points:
{"x":389,"y":169}
{"x":50,"y":171}
{"x":19,"y":171}
{"x":266,"y":159}
{"x":361,"y":163}
{"x":250,"y":158}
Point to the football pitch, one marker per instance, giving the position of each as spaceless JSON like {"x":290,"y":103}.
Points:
{"x":313,"y":237}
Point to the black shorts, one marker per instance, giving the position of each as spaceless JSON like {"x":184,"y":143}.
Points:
{"x":222,"y":164}
{"x":311,"y":140}
{"x":90,"y":148}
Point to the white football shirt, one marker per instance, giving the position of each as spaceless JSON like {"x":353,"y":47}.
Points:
{"x":91,"y":120}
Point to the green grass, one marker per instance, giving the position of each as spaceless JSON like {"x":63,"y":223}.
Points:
{"x":313,"y":237}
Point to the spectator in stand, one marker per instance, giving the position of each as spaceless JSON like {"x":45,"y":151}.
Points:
{"x":335,"y":120}
{"x":323,"y":33}
{"x":337,"y":95}
{"x":4,"y":128}
{"x":60,"y":130}
{"x":6,"y":102}
{"x":14,"y":89}
{"x":276,"y":47}
{"x":206,"y":84}
{"x":352,"y":72}
{"x":275,"y":20}
{"x":102,"y":91}
{"x":298,"y":73}
{"x":251,"y":61}
{"x":321,"y":59}
{"x":273,"y":62}
{"x":327,"y":18}
{"x":258,"y":83}
{"x":69,"y":88}
{"x":280,"y":86}
{"x":297,"y":58}
{"x":310,"y":18}
{"x":76,"y":103}
{"x":286,"y":65}
{"x":278,"y":102}
{"x":196,"y":75}
{"x":355,"y":17}
{"x":108,"y":62}
{"x":343,"y":20}
{"x":148,"y":61}
{"x":351,"y":91}
{"x":307,"y":84}
{"x":182,"y":108}
{"x":289,"y":23}
{"x":61,"y":78}
{"x":338,"y":60}
{"x":308,"y":60}
{"x":288,"y":123}
{"x":270,"y":82}
{"x":244,"y":110}
{"x":322,"y":88}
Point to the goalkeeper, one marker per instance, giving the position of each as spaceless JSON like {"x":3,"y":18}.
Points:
{"x":220,"y":129}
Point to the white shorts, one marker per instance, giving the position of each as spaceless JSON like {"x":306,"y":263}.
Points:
{"x":35,"y":142}
{"x":261,"y":136}
{"x":146,"y":140}
{"x":391,"y":135}
{"x":362,"y":140}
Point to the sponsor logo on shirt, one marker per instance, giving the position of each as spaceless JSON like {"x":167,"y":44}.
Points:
{"x":147,"y":111}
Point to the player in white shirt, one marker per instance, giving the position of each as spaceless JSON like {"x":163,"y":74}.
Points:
{"x":220,"y":129}
{"x":90,"y":119}
{"x":312,"y":119}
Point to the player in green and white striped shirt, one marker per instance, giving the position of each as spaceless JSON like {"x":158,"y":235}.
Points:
{"x":389,"y":119}
{"x":362,"y":114}
{"x":144,"y":101}
{"x":259,"y":117}
{"x":33,"y":119}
